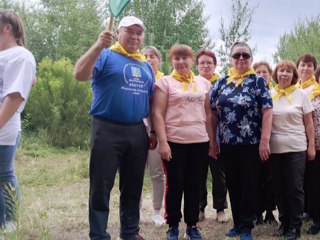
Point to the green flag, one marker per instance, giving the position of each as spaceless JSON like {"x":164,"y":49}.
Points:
{"x":117,"y":6}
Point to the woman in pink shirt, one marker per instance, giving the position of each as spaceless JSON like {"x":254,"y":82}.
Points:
{"x":181,"y":113}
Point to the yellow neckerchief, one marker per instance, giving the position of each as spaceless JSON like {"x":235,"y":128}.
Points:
{"x":240,"y":77}
{"x":270,"y":86}
{"x":158,"y":75}
{"x":136,"y":55}
{"x":185,"y":80}
{"x":307,"y":83}
{"x":214,"y":77}
{"x":315,"y":92}
{"x":284,"y":92}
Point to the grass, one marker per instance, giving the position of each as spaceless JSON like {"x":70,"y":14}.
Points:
{"x":54,"y":199}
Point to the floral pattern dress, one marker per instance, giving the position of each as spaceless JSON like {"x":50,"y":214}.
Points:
{"x":316,"y":120}
{"x":240,"y":109}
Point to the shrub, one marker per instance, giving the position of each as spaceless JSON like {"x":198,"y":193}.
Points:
{"x":58,"y":106}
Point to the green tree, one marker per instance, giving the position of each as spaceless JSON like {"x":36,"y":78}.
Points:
{"x":67,"y":28}
{"x":58,"y":105}
{"x":238,"y":29}
{"x":64,"y":28}
{"x":58,"y":28}
{"x":172,"y":21}
{"x":303,"y":38}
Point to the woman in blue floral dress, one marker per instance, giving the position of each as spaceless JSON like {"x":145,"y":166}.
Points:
{"x":242,"y":110}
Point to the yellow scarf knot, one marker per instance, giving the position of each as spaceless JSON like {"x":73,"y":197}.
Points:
{"x":185,"y":80}
{"x":311,"y":81}
{"x":240,"y":77}
{"x":270,"y":86}
{"x":307,"y":83}
{"x":120,"y":49}
{"x":284,"y":92}
{"x":315,"y":92}
{"x":158,"y":75}
{"x":214,"y":77}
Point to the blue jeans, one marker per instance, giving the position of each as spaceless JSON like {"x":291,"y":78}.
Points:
{"x":8,"y":180}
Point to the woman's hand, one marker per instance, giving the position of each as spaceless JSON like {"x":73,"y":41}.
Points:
{"x":152,"y":141}
{"x":308,"y":123}
{"x":311,"y":153}
{"x":214,"y":150}
{"x":165,"y":151}
{"x":264,"y":150}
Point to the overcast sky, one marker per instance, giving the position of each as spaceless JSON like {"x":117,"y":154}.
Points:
{"x":271,"y":19}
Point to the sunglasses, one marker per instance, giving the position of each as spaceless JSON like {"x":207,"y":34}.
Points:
{"x":238,"y":55}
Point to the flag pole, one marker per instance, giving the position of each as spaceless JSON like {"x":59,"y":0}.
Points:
{"x":110,"y":23}
{"x":116,"y":7}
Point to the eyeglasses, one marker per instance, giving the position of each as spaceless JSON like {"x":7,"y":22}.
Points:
{"x":204,"y":63}
{"x":238,"y":56}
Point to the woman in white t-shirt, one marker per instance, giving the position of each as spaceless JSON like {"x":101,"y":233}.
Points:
{"x":181,"y":116}
{"x":307,"y":65}
{"x":17,"y":72}
{"x":291,"y":143}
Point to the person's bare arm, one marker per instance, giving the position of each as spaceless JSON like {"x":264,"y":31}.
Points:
{"x":158,"y":114}
{"x":83,"y":68}
{"x":9,"y":107}
{"x":209,"y":122}
{"x":308,"y":123}
{"x":264,"y":146}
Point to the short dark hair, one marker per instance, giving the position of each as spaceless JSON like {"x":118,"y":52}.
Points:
{"x":206,"y":53}
{"x":317,"y":73}
{"x":240,"y":44}
{"x":308,"y":58}
{"x":286,"y":64}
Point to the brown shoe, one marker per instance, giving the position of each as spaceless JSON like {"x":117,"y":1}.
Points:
{"x":221,"y":217}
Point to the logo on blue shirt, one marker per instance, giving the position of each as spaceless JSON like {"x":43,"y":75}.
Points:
{"x":136,"y":72}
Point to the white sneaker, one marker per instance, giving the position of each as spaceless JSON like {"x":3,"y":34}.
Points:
{"x":158,"y":220}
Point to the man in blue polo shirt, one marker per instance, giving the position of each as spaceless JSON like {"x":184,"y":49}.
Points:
{"x":122,"y":83}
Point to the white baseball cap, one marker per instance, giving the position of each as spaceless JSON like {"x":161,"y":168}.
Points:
{"x":128,"y":21}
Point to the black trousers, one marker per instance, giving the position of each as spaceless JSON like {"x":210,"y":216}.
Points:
{"x":313,"y":182}
{"x":115,"y":146}
{"x":242,"y":168}
{"x":266,"y":195}
{"x":287,"y":171}
{"x":219,"y":189}
{"x":306,"y":187}
{"x":183,"y":177}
